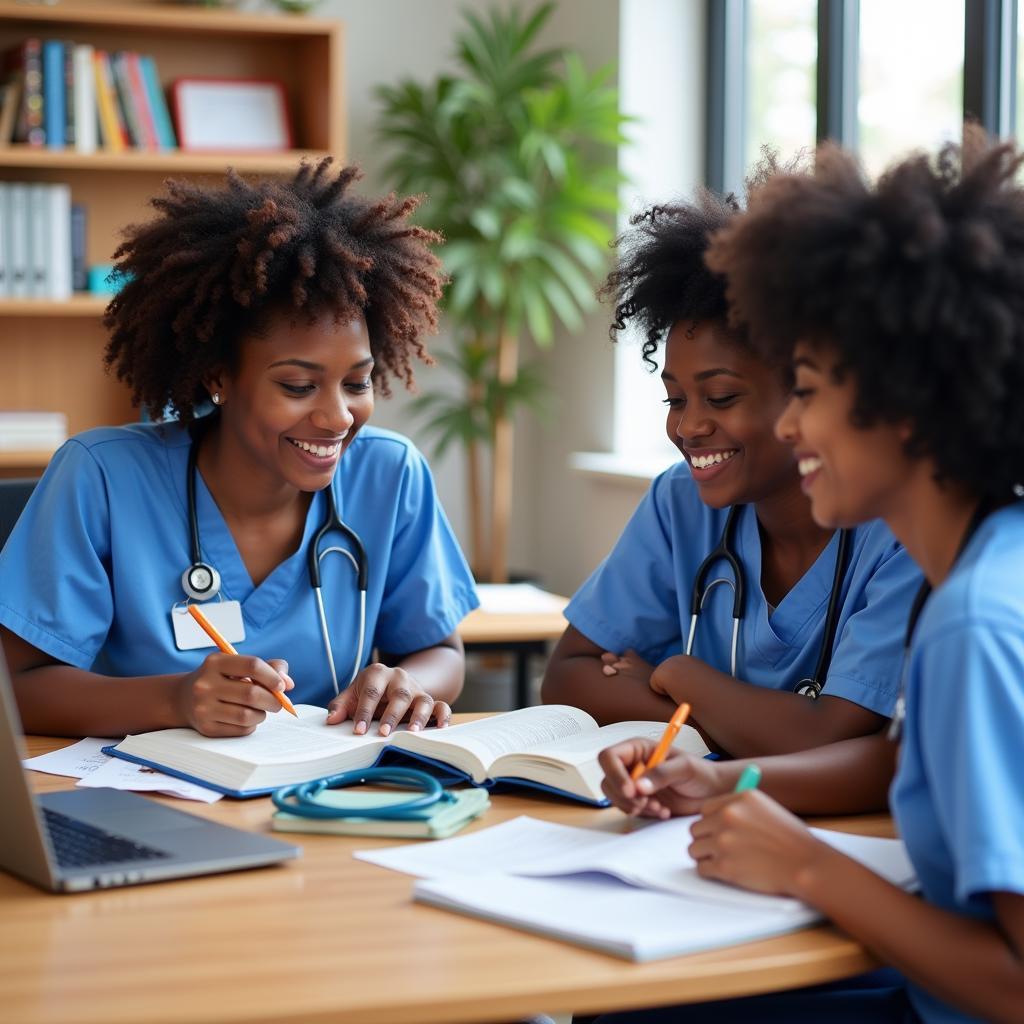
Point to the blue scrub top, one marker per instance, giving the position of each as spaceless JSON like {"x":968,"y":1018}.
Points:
{"x":93,"y":567}
{"x":640,"y":597}
{"x":957,"y":797}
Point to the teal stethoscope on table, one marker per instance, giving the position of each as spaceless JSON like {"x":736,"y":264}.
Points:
{"x":301,"y":800}
{"x":726,"y":552}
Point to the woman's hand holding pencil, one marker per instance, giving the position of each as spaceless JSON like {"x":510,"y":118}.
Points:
{"x":229,"y":694}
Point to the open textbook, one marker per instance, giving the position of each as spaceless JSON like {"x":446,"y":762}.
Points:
{"x":636,"y":895}
{"x":553,"y":748}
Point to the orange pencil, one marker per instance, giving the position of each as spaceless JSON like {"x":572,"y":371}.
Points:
{"x":676,"y":722}
{"x":211,"y":631}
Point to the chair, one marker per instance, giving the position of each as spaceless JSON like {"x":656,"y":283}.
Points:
{"x":13,"y":496}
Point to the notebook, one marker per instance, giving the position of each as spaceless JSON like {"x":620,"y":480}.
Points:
{"x":635,"y":895}
{"x":553,"y":748}
{"x":95,"y":838}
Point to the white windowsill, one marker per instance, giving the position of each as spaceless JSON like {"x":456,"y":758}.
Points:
{"x":622,"y":469}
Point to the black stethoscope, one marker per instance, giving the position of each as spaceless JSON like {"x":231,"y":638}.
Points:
{"x":201,"y":581}
{"x":725,"y":552}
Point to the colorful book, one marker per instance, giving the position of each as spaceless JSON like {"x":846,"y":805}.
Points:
{"x":552,"y":748}
{"x":10,"y":104}
{"x":26,"y":61}
{"x":112,"y":132}
{"x":53,"y":93}
{"x":157,"y":103}
{"x":126,"y":100}
{"x":140,"y":101}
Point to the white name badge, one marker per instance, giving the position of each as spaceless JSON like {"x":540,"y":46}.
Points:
{"x":226,"y":616}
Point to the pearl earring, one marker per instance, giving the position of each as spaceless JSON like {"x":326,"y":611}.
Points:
{"x":216,"y":397}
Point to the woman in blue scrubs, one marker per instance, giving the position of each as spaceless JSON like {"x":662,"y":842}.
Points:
{"x":622,"y":656}
{"x":909,"y":369}
{"x":262,"y":317}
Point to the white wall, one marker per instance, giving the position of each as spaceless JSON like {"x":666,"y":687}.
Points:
{"x":563,"y":523}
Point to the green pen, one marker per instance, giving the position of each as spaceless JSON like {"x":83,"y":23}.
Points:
{"x":749,"y":778}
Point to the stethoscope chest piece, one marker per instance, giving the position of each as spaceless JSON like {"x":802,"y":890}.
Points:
{"x":200,"y":581}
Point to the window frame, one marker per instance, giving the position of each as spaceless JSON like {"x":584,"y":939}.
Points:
{"x":990,"y":77}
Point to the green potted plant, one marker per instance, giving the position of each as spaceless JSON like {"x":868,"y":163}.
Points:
{"x":517,"y":155}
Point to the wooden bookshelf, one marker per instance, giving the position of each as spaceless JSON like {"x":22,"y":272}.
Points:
{"x":51,"y":352}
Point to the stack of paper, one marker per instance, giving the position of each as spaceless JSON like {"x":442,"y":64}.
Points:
{"x":635,"y":895}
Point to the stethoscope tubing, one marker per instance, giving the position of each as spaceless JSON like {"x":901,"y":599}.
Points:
{"x":332,"y":521}
{"x":724,"y":551}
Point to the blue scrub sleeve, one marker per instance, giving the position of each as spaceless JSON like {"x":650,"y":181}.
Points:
{"x":55,"y":566}
{"x":632,"y":593}
{"x":429,"y":588}
{"x":970,"y":704}
{"x":867,"y":658}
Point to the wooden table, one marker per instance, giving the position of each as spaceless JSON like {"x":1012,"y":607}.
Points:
{"x":329,"y":938}
{"x":522,"y":634}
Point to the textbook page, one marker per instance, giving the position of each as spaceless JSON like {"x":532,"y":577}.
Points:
{"x":281,"y":751}
{"x":488,"y":738}
{"x":555,"y":761}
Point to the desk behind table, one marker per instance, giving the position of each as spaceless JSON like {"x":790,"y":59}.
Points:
{"x":331,"y":939}
{"x":521,"y":627}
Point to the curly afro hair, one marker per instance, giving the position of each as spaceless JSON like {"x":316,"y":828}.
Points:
{"x":661,"y":276}
{"x":916,"y":283}
{"x":217,"y":262}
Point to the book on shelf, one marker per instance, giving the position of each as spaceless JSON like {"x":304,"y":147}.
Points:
{"x":35,"y":251}
{"x":32,"y":430}
{"x":552,"y":748}
{"x":10,"y":104}
{"x":634,"y":894}
{"x":113,"y":133}
{"x":79,"y":266}
{"x":157,"y":103}
{"x":86,"y":114}
{"x":25,"y":62}
{"x":53,"y":93}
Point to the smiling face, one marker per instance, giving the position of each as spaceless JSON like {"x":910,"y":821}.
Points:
{"x":722,"y":406}
{"x":298,"y":396}
{"x":850,"y":473}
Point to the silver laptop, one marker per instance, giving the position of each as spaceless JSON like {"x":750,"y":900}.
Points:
{"x":94,"y":838}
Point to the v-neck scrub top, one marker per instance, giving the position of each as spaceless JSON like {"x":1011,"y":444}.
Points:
{"x":640,"y":597}
{"x":957,"y":797}
{"x":93,"y":567}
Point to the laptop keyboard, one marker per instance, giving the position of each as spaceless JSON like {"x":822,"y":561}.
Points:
{"x":78,"y":845}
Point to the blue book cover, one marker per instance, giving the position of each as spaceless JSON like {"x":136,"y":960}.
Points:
{"x":53,"y":93}
{"x":157,"y":103}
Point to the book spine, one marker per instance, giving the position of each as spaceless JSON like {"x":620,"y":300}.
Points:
{"x":30,"y":118}
{"x":5,"y":224}
{"x":59,"y":243}
{"x":69,"y":93}
{"x":123,"y":93}
{"x":53,"y":93}
{"x":79,"y":266}
{"x":84,"y":99}
{"x":10,"y":106}
{"x":140,"y":100}
{"x":158,"y":103}
{"x":38,"y":240}
{"x":17,"y":282}
{"x":109,"y":118}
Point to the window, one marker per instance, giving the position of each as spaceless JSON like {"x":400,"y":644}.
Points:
{"x":781,"y":61}
{"x":911,"y":77}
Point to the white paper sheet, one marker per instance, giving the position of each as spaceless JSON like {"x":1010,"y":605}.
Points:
{"x":86,"y":762}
